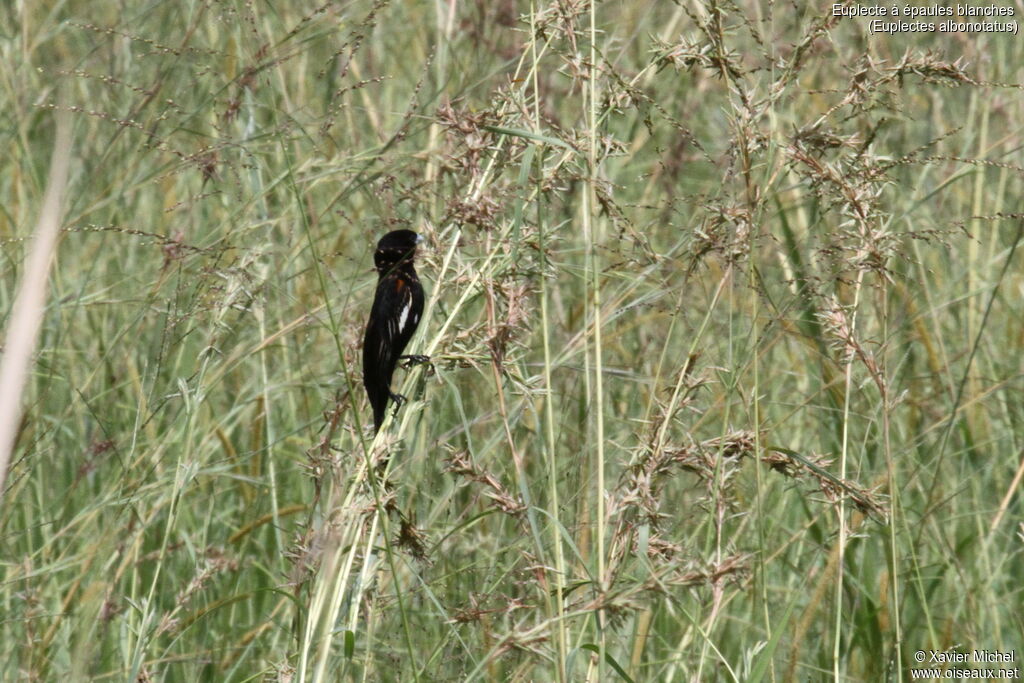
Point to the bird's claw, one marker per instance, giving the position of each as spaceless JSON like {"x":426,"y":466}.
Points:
{"x":413,"y":360}
{"x":399,"y":401}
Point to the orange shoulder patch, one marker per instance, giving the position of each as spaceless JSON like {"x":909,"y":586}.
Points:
{"x":399,"y":284}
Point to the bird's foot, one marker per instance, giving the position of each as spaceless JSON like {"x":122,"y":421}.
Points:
{"x":399,"y":402}
{"x":410,"y":361}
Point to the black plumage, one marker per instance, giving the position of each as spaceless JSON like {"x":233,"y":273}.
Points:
{"x":397,"y":307}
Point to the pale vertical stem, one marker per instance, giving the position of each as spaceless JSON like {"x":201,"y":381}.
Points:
{"x":841,"y":512}
{"x":594,"y":281}
{"x":977,"y":209}
{"x":549,"y":406}
{"x":261,"y":319}
{"x":759,"y":453}
{"x":894,"y":501}
{"x":445,"y":25}
{"x":30,"y":302}
{"x":975,"y":262}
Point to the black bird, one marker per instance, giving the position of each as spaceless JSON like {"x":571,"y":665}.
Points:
{"x":397,"y":307}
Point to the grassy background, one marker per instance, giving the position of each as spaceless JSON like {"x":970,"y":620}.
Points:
{"x":725,"y":304}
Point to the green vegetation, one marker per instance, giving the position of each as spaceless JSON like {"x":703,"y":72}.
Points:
{"x":724,"y":301}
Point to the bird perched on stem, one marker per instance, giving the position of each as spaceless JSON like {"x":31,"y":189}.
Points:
{"x":397,"y":307}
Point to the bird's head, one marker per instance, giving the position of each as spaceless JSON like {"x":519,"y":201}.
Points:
{"x":396,"y":247}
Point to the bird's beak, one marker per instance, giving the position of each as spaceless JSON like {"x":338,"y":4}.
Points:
{"x":420,"y":239}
